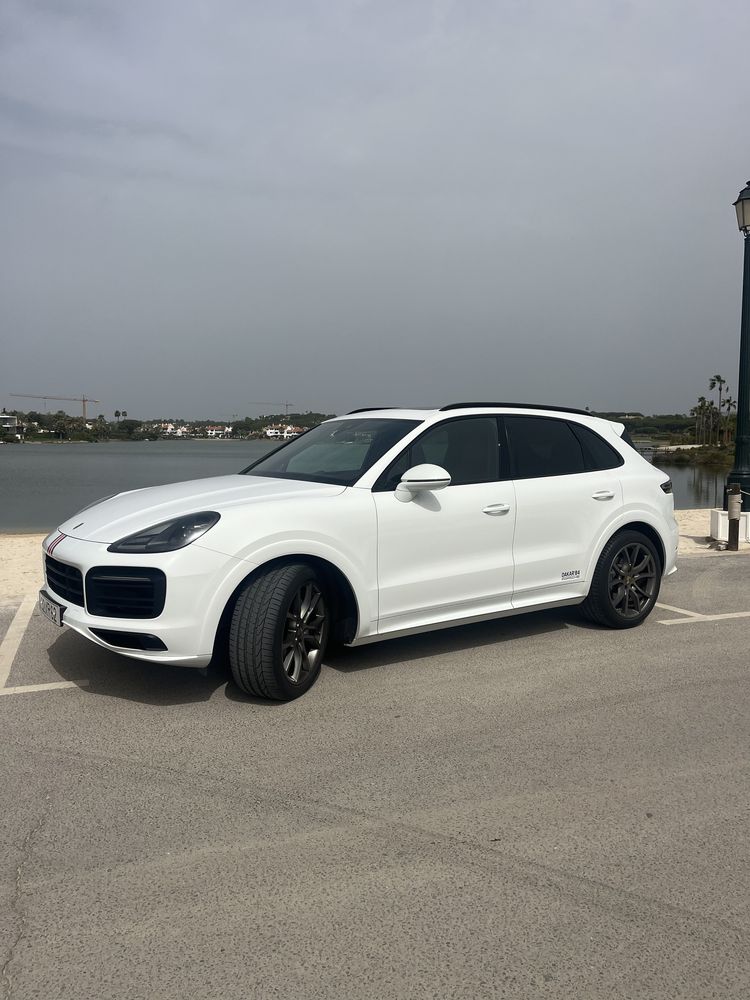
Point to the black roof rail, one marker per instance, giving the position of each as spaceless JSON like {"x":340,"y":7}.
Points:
{"x":366,"y":409}
{"x":516,"y":406}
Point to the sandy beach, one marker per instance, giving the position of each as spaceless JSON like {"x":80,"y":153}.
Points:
{"x":21,"y":558}
{"x":20,"y":566}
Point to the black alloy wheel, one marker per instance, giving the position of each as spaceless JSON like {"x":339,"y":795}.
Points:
{"x":626,"y":581}
{"x":632,"y":580}
{"x":304,"y":633}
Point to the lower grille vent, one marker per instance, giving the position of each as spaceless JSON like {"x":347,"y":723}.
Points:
{"x":128,"y":640}
{"x":125,"y":592}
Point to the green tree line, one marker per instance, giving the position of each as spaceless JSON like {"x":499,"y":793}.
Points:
{"x":60,"y":426}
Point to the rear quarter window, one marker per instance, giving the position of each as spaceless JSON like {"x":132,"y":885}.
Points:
{"x":597,"y":454}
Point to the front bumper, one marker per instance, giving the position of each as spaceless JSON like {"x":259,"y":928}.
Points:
{"x":200,"y":582}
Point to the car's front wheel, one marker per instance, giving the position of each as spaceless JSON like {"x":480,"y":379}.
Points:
{"x":626,"y":582}
{"x":278,"y":632}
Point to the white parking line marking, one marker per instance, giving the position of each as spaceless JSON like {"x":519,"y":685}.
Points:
{"x":53,"y":686}
{"x":679,"y":611}
{"x":706,"y":618}
{"x":11,"y":642}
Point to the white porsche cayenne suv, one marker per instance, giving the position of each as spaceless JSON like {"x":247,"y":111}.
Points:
{"x":372,"y":525}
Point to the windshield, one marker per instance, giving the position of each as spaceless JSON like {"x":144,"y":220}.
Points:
{"x":339,"y":451}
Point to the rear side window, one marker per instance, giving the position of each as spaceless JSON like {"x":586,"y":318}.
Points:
{"x":543,"y":446}
{"x":598,"y":454}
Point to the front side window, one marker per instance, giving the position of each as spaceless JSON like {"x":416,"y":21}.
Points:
{"x":337,"y":452}
{"x":467,"y":448}
{"x":543,"y":446}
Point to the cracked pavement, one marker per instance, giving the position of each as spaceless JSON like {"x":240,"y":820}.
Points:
{"x":15,"y":906}
{"x":527,"y":808}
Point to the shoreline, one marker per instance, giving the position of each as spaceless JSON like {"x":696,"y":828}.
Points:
{"x":684,"y":514}
{"x":21,"y":556}
{"x":175,"y":437}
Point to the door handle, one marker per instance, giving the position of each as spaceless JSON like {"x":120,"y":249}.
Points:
{"x":603,"y":495}
{"x":494,"y":509}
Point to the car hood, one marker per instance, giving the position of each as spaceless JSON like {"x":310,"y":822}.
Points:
{"x":126,"y":513}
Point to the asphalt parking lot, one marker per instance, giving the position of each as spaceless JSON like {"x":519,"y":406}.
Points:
{"x":533,"y":807}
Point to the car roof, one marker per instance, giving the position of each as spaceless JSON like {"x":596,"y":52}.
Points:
{"x":432,"y":414}
{"x":428,"y":411}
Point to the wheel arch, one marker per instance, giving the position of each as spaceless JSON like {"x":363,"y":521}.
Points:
{"x":346,"y":611}
{"x":644,"y":527}
{"x":651,"y":533}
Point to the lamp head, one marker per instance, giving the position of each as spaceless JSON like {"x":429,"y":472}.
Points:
{"x":742,"y":207}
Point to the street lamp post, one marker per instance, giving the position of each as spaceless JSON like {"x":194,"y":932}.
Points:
{"x":741,"y":471}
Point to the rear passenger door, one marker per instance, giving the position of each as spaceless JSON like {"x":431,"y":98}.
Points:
{"x":568,"y":489}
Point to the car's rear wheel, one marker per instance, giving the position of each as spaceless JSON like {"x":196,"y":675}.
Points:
{"x":278,"y":632}
{"x":626,"y":582}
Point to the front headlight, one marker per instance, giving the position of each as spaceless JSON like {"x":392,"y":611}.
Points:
{"x":169,"y":535}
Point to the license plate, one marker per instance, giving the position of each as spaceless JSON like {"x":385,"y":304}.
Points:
{"x":51,"y":609}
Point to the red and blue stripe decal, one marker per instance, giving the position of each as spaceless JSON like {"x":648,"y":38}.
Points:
{"x":53,"y":545}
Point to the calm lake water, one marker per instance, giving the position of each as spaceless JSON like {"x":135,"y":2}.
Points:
{"x":43,"y":484}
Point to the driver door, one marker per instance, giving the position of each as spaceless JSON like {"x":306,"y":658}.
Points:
{"x":447,"y":554}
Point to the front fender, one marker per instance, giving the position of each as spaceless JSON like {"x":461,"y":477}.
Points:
{"x":342,"y":530}
{"x":363,"y":584}
{"x":361,"y":576}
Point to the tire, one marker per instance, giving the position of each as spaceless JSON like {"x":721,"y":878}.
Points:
{"x":278,"y":632}
{"x":626,"y":582}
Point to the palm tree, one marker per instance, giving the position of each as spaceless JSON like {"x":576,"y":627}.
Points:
{"x":124,"y":414}
{"x":702,"y":409}
{"x":117,"y":415}
{"x":729,"y":405}
{"x":717,"y":382}
{"x":694,"y":413}
{"x":712,"y":422}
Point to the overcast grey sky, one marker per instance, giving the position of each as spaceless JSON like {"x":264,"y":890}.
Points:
{"x":204,"y":204}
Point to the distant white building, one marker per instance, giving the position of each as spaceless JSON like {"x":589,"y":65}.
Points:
{"x":9,"y":424}
{"x":173,"y":430}
{"x":279,"y":431}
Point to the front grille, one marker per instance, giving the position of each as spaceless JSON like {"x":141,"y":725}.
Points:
{"x":66,"y":581}
{"x":125,"y":592}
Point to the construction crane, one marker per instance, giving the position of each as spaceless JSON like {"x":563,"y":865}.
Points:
{"x":69,"y":399}
{"x":274,"y":403}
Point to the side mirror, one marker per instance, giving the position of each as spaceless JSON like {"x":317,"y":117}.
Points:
{"x":421,"y":477}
